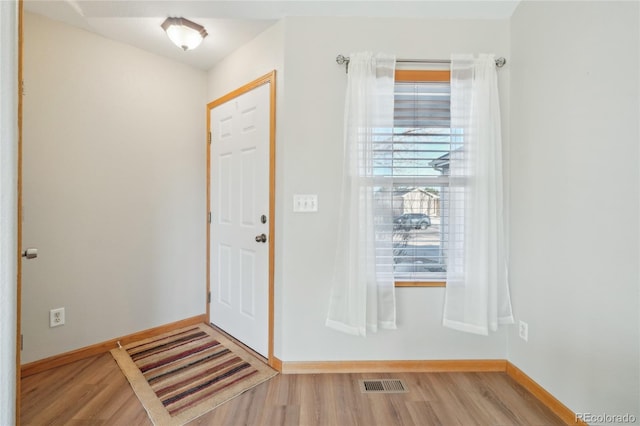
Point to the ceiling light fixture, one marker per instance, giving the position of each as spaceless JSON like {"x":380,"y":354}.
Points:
{"x":183,"y":33}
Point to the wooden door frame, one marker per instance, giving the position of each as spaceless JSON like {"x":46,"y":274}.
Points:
{"x":269,"y":78}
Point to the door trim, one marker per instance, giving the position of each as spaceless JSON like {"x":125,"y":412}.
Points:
{"x":269,"y":78}
{"x":19,"y":225}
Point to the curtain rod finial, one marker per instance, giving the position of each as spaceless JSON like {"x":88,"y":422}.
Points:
{"x":341,"y":59}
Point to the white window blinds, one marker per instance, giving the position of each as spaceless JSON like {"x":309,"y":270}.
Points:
{"x":415,"y":156}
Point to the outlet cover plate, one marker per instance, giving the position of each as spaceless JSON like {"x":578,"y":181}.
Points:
{"x":523,"y":330}
{"x":56,"y":317}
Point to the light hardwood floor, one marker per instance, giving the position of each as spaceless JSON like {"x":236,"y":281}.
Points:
{"x":93,"y":391}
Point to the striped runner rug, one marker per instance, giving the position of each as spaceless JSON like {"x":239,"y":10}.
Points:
{"x":181,"y":375}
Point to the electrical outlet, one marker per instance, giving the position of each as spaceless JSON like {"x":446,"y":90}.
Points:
{"x":523,"y":330}
{"x":56,"y":317}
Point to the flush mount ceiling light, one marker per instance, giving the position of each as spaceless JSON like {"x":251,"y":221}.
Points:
{"x":183,"y":33}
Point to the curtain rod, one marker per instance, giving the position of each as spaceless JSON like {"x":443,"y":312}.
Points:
{"x":341,"y":59}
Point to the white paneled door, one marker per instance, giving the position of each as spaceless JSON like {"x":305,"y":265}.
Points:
{"x":239,"y":232}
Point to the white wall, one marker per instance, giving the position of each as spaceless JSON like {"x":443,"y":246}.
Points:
{"x":314,"y":107}
{"x":8,"y":207}
{"x":574,"y":201}
{"x":255,"y":59}
{"x":114,"y":188}
{"x":309,"y":125}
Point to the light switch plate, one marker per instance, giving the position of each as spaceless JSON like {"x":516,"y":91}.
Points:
{"x":305,"y":203}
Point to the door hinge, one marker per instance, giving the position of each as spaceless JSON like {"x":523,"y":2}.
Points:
{"x":209,"y":217}
{"x":22,"y":88}
{"x":22,"y":342}
{"x":209,"y":297}
{"x":209,"y":137}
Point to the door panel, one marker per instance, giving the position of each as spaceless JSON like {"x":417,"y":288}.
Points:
{"x":247,"y":283}
{"x":240,"y":142}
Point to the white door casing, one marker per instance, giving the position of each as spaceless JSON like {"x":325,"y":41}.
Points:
{"x":239,"y":230}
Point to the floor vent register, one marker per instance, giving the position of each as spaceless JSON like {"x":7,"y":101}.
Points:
{"x":382,"y":386}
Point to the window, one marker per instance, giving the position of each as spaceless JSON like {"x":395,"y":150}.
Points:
{"x":415,"y":156}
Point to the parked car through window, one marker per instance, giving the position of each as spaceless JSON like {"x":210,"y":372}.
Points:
{"x":412,"y":221}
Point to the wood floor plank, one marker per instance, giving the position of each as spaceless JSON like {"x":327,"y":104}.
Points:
{"x":486,"y":401}
{"x":349,"y":406}
{"x":94,"y":392}
{"x":317,"y":400}
{"x":283,"y":415}
{"x":131,"y":413}
{"x":520,"y":400}
{"x":422,"y":413}
{"x":110,"y":398}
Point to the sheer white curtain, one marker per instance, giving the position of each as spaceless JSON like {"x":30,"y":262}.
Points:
{"x":477,"y":294}
{"x":363,"y":293}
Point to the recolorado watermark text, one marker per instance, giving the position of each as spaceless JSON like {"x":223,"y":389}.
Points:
{"x":604,"y":418}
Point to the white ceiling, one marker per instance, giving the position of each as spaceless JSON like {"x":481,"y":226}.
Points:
{"x":232,"y":23}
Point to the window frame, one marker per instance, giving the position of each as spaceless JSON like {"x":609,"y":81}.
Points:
{"x":421,"y":76}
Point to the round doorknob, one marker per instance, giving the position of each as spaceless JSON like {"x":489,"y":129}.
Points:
{"x":262,"y":238}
